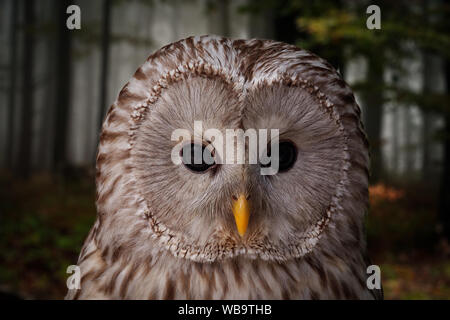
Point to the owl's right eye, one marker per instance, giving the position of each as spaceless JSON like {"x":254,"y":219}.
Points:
{"x":197,"y":157}
{"x":287,"y":156}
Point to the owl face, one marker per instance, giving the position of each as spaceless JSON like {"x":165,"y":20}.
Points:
{"x":197,"y":201}
{"x":212,"y":211}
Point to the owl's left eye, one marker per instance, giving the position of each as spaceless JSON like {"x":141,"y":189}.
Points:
{"x":197,"y":157}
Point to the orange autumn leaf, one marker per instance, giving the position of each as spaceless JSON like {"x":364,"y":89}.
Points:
{"x":381,"y":192}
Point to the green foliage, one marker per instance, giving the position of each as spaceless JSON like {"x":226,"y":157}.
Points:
{"x":348,"y":27}
{"x":405,"y":30}
{"x":331,"y":28}
{"x":42,"y":230}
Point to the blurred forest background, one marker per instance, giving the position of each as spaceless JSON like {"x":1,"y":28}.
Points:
{"x":56,"y":85}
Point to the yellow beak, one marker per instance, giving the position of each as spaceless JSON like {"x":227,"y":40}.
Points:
{"x":241,"y":211}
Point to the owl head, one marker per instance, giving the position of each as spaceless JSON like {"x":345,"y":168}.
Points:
{"x":212,"y":210}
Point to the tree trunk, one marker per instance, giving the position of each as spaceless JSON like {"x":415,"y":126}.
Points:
{"x":26,"y":116}
{"x":444,"y":199}
{"x":409,"y":155}
{"x":444,"y":203}
{"x":45,"y":156}
{"x":224,"y":11}
{"x":106,"y":39}
{"x":219,"y":17}
{"x":373,"y":112}
{"x":395,"y":140}
{"x":12,"y":82}
{"x":63,"y":84}
{"x":89,"y":154}
{"x":396,"y":116}
{"x":428,"y":78}
{"x":262,"y":23}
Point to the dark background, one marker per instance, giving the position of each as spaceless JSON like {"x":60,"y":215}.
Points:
{"x":56,"y":85}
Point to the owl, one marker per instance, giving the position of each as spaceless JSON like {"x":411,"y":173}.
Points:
{"x":214,"y":230}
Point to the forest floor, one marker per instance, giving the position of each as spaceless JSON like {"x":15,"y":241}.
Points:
{"x":43,"y":223}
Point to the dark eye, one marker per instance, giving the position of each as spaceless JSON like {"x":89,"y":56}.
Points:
{"x":197,"y":157}
{"x":287,"y":155}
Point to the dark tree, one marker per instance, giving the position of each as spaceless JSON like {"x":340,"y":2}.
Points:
{"x":444,"y":202}
{"x":427,"y":77}
{"x":218,"y":17}
{"x":372,"y":100}
{"x":12,"y":82}
{"x":23,"y":168}
{"x":224,"y":9}
{"x":45,"y":152}
{"x":444,"y":206}
{"x":445,"y":196}
{"x":106,"y":40}
{"x":63,"y":85}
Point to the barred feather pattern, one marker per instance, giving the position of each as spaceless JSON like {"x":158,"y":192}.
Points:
{"x":141,"y":247}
